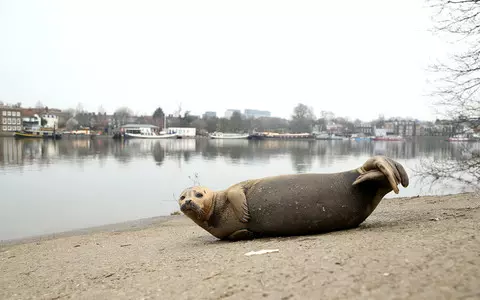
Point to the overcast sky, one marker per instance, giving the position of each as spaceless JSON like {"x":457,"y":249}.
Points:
{"x":354,"y":58}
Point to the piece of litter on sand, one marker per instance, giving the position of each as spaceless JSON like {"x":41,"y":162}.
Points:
{"x":261,"y":252}
{"x":434,"y":219}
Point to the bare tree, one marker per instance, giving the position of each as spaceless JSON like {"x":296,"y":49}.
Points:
{"x":71,"y":124}
{"x":457,"y":88}
{"x":459,"y":77}
{"x":302,"y":118}
{"x":122,"y":114}
{"x":79,"y":109}
{"x":70,"y":112}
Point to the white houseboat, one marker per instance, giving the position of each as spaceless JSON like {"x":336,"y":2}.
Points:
{"x":184,"y":132}
{"x":330,"y":137}
{"x":145,"y":131}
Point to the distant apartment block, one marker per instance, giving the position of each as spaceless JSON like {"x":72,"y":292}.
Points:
{"x":380,"y":132}
{"x":365,"y":128}
{"x":10,"y":119}
{"x":209,"y":114}
{"x":229,"y":113}
{"x":408,"y":129}
{"x":442,"y":129}
{"x":405,"y":128}
{"x":254,"y":113}
{"x":390,"y":127}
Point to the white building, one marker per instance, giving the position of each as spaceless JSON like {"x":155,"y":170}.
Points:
{"x":182,"y":131}
{"x":380,"y":132}
{"x":32,"y":123}
{"x":52,"y":120}
{"x":229,"y":113}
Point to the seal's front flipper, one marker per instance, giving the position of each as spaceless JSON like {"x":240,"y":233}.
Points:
{"x":370,"y":175}
{"x":237,"y":198}
{"x":242,"y":234}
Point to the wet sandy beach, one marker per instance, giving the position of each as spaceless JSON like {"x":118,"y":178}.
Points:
{"x":409,"y":248}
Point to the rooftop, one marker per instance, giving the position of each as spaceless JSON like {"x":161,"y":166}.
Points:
{"x":139,"y":125}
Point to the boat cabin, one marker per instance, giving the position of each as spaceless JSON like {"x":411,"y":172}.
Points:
{"x":142,"y":129}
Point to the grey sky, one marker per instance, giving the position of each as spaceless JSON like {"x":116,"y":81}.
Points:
{"x":355,"y":58}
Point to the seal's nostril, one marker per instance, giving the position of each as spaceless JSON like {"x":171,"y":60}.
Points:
{"x":188,"y":201}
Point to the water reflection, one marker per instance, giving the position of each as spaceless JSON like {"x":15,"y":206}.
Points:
{"x":305,"y":156}
{"x":75,"y":183}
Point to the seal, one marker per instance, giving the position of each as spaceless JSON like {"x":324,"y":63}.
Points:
{"x":296,"y":204}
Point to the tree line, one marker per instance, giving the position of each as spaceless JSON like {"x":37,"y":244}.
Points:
{"x":302,"y":119}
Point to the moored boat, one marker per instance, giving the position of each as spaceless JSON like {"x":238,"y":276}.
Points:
{"x":80,"y":133}
{"x":144,"y":131}
{"x":149,"y":135}
{"x":280,"y":136}
{"x":42,"y":133}
{"x":221,"y":135}
{"x":388,"y":138}
{"x":330,"y":137}
{"x":359,"y":137}
{"x":461,"y":138}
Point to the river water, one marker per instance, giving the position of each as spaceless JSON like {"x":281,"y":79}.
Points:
{"x":52,"y":186}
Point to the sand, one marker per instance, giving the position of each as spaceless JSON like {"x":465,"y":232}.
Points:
{"x":409,"y":248}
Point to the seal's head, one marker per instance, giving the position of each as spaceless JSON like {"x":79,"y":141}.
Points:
{"x":197,"y":202}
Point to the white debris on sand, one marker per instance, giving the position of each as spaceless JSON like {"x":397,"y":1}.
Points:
{"x":261,"y":252}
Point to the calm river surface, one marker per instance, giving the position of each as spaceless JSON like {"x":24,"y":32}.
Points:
{"x":52,"y":186}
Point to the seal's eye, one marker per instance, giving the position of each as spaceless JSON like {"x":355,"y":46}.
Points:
{"x":183,"y":197}
{"x":199,"y":195}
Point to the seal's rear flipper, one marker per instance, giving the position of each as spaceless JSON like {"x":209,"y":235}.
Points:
{"x":392,"y":170}
{"x":370,"y":175}
{"x":401,"y":171}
